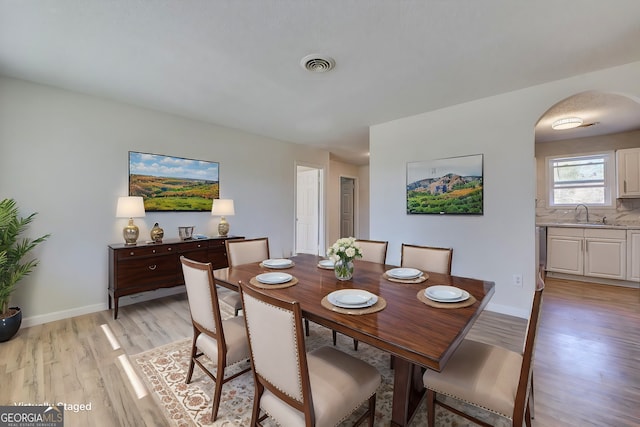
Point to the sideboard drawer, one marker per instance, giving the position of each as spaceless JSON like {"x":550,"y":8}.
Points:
{"x":146,"y":271}
{"x":136,"y":252}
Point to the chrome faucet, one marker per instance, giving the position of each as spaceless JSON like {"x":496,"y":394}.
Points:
{"x":585,"y":208}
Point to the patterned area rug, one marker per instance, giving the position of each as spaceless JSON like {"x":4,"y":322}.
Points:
{"x":164,"y":371}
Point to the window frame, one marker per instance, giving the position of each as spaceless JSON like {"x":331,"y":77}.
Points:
{"x":609,"y":178}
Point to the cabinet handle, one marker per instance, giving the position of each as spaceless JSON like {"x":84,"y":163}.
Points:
{"x":153,"y":267}
{"x":169,"y":249}
{"x":625,"y":185}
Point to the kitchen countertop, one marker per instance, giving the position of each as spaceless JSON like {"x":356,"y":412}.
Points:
{"x":589,"y":225}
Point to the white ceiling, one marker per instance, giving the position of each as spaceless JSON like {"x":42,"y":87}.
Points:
{"x":236,"y":63}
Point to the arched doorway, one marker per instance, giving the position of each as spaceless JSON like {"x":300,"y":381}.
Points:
{"x":610,"y":122}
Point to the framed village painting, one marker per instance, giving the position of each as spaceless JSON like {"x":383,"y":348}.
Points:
{"x":446,"y":186}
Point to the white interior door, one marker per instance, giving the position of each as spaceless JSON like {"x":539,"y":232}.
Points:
{"x":308,"y":210}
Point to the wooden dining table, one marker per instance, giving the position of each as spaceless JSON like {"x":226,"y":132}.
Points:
{"x":418,"y":335}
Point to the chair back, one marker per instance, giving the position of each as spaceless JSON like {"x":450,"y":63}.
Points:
{"x":276,"y":343}
{"x":202,"y":295}
{"x":427,"y":258}
{"x":526,"y":372}
{"x":373,"y":250}
{"x":246,"y":251}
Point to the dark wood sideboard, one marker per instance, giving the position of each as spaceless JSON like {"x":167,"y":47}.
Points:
{"x":150,"y":266}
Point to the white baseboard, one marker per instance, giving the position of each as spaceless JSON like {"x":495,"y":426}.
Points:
{"x":59,"y":315}
{"x":79,"y":311}
{"x":508,"y":310}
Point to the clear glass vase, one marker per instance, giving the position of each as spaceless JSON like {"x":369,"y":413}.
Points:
{"x":344,"y":269}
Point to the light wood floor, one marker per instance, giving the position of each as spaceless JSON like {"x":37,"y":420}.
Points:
{"x":587,"y":368}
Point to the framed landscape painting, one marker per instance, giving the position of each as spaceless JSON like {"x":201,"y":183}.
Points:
{"x":168,"y":183}
{"x":446,"y":186}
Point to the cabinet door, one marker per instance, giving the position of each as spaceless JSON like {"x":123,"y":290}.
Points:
{"x":605,"y":258}
{"x":633,"y":255}
{"x":565,"y":254}
{"x":628,"y":165}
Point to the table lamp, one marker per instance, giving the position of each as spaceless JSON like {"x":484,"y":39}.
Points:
{"x":222,"y":208}
{"x":130,"y":207}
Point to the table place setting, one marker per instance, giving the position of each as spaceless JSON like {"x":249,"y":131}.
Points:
{"x":277,"y":263}
{"x":274,"y":280}
{"x":353,"y":301}
{"x":443,"y":296}
{"x":405,"y":275}
{"x":326,"y":264}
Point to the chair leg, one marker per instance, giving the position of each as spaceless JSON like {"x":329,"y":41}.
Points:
{"x":306,"y":327}
{"x":255,"y":414}
{"x":192,"y":360}
{"x":335,"y":337}
{"x":355,"y":344}
{"x":431,"y":408}
{"x":527,"y":415}
{"x":531,"y":401}
{"x":217,"y":392}
{"x":372,"y":409}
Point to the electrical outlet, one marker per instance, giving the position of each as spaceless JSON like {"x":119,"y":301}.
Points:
{"x":517,"y":280}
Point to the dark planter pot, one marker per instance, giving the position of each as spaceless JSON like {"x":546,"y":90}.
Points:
{"x":9,"y":326}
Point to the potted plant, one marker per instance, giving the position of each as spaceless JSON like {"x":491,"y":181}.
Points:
{"x":13,"y":266}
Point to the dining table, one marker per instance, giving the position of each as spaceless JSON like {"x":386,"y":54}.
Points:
{"x":418,"y":334}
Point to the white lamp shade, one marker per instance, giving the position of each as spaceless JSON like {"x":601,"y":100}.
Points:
{"x":222,"y":207}
{"x":130,"y":207}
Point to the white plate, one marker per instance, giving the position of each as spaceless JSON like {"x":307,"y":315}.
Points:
{"x":465,"y":296}
{"x":352,"y":298}
{"x":404,"y":273}
{"x":273,"y":278}
{"x":326,"y":263}
{"x":443,"y":292}
{"x":277,"y":263}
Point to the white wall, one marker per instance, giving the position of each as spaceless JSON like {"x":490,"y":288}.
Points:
{"x":65,"y":155}
{"x":500,"y":243}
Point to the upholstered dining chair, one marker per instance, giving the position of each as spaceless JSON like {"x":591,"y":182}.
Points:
{"x":319,"y":388}
{"x":427,"y":258}
{"x":372,"y":251}
{"x":244,"y":251}
{"x":489,"y":377}
{"x":222,"y":341}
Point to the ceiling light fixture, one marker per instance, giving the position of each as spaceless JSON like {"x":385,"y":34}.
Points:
{"x":317,"y":63}
{"x":566,"y":123}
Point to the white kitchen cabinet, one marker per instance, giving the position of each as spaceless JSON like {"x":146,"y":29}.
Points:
{"x":628,"y":172}
{"x":587,"y":252}
{"x":565,"y":252}
{"x":605,"y":253}
{"x":633,"y":255}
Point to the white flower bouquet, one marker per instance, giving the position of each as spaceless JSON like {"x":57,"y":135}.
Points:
{"x":342,"y":253}
{"x":345,"y":249}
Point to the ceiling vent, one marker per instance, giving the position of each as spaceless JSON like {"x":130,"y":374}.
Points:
{"x":317,"y":63}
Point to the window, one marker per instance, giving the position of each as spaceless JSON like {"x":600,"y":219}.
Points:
{"x":587,"y":179}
